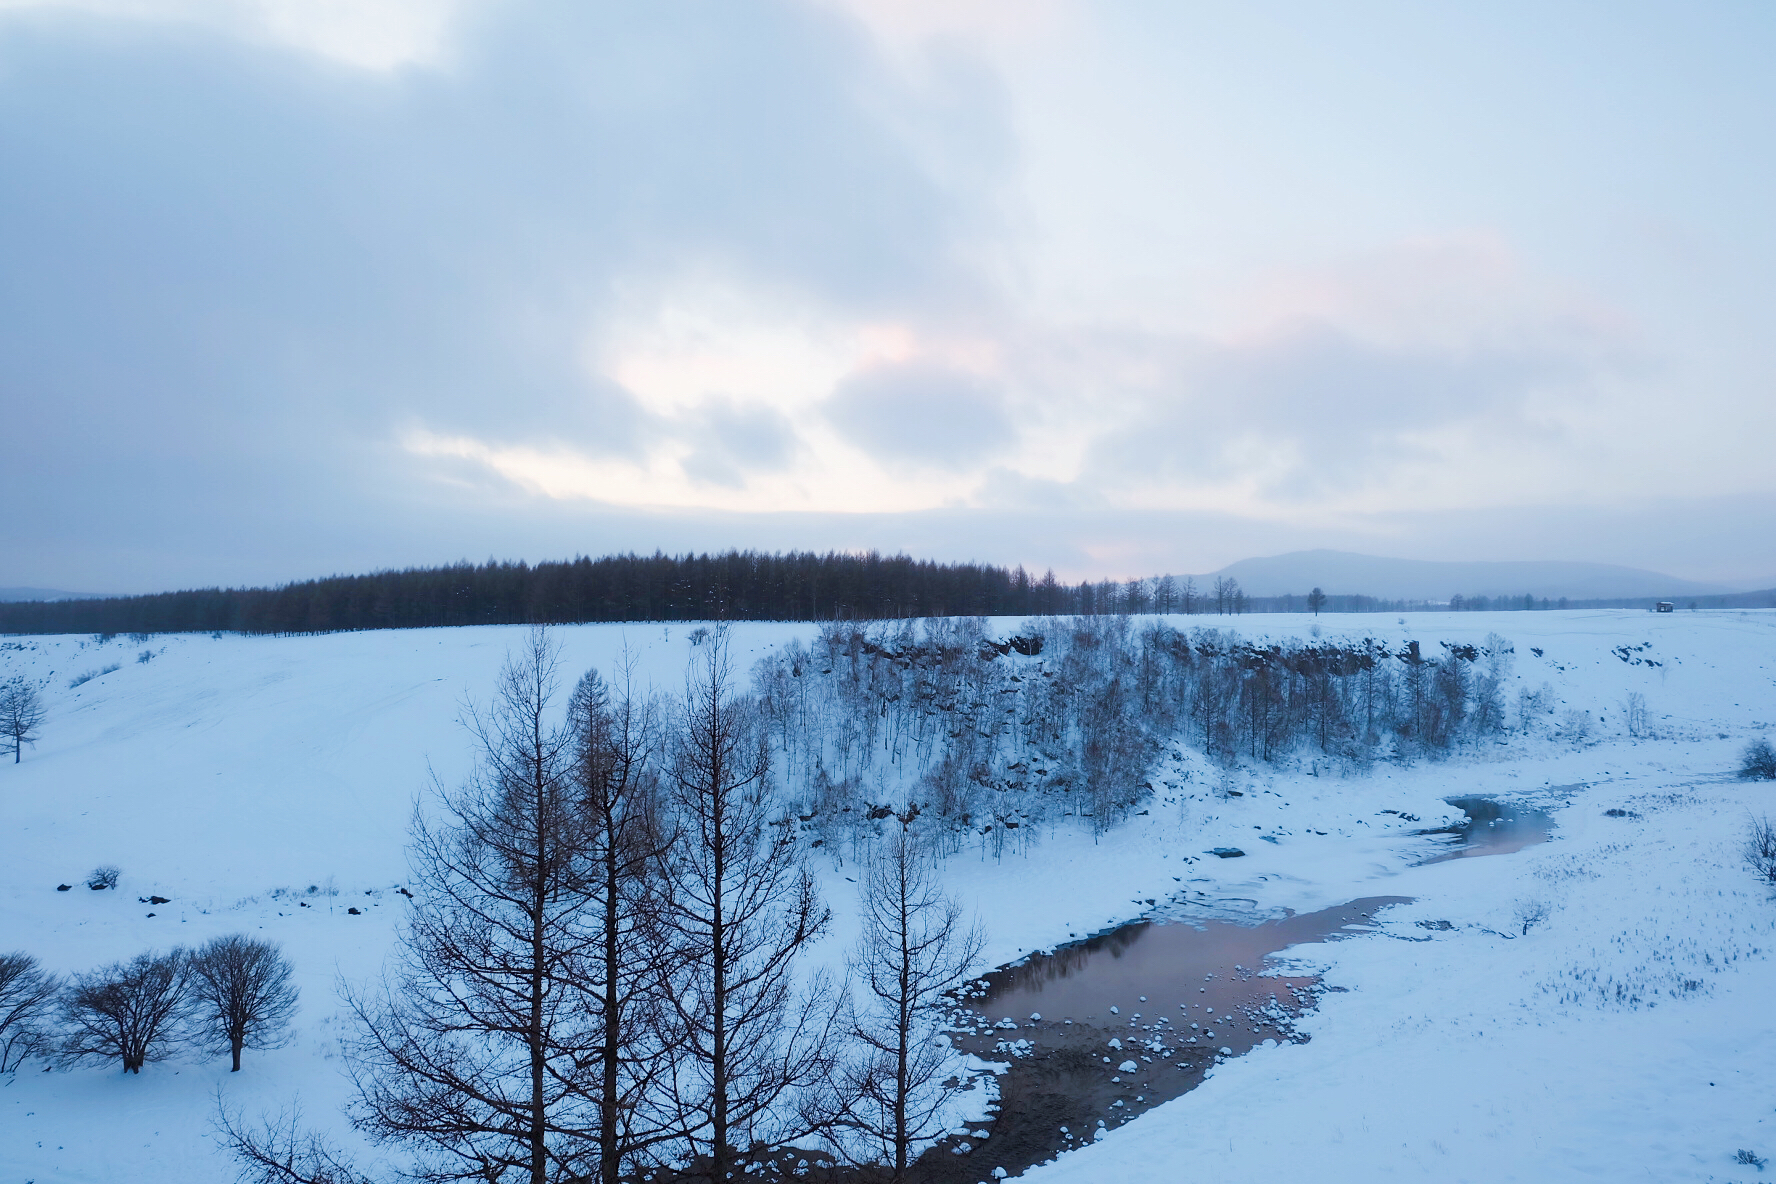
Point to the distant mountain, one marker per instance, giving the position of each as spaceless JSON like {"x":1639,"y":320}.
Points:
{"x":10,"y":595}
{"x":1346,"y":573}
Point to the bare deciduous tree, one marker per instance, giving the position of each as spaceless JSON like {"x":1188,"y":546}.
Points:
{"x":475,"y":1058}
{"x":913,"y":950}
{"x":615,"y":749}
{"x":21,"y":713}
{"x":27,"y":998}
{"x":128,"y":1011}
{"x":282,"y":1151}
{"x":242,"y":995}
{"x":740,"y":908}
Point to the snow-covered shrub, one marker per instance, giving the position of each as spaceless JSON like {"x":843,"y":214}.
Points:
{"x":80,"y":680}
{"x":1533,"y":705}
{"x":1575,"y":726}
{"x":1759,"y":762}
{"x":1634,"y":715}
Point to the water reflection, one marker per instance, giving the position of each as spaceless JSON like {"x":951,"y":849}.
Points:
{"x":1494,"y":828}
{"x":1149,"y":969}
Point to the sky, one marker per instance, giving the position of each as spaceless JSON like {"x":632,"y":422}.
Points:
{"x":294,"y":287}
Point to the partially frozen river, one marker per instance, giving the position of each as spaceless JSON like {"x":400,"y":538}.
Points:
{"x":1105,"y":1028}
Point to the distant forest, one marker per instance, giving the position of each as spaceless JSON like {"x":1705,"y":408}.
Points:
{"x":735,"y":586}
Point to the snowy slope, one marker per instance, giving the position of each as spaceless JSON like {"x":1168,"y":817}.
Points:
{"x":232,"y":774}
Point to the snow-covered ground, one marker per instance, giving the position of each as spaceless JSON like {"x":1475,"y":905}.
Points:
{"x":1624,"y":1038}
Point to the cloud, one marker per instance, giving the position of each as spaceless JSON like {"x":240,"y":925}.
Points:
{"x":1316,"y":411}
{"x":730,"y":440}
{"x":922,"y":415}
{"x":239,"y":274}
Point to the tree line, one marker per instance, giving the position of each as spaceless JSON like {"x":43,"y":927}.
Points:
{"x":734,"y":586}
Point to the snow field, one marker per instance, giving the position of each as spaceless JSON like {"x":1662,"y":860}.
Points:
{"x":232,"y":774}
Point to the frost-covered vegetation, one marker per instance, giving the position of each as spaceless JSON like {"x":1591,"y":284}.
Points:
{"x":1003,"y":736}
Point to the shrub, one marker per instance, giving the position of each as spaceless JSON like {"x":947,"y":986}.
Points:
{"x":103,"y":876}
{"x":1529,"y":914}
{"x":1760,"y":849}
{"x":82,"y":679}
{"x":1759,"y":762}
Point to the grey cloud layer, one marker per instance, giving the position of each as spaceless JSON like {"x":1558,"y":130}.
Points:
{"x":922,"y":415}
{"x":232,"y":272}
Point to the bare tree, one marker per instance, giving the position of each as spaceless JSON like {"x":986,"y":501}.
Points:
{"x":129,"y":1011}
{"x":740,"y":908}
{"x":27,"y":998}
{"x":282,"y":1151}
{"x":475,"y":1056}
{"x":615,"y":748}
{"x":242,"y":995}
{"x":1226,"y":588}
{"x":1316,"y":600}
{"x":913,"y":950}
{"x":1165,"y":594}
{"x":21,"y":713}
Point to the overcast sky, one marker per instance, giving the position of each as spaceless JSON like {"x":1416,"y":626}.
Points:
{"x":290,"y":287}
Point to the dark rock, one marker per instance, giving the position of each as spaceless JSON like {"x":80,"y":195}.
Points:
{"x":1615,"y":812}
{"x":1227,"y":852}
{"x":63,"y":887}
{"x":354,"y":911}
{"x":154,"y":899}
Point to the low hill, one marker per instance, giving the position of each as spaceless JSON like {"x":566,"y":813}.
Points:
{"x":1342,"y":573}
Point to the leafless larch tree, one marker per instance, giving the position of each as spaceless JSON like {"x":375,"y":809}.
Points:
{"x":913,"y":950}
{"x":740,"y":908}
{"x":475,"y":1057}
{"x":614,"y":764}
{"x":21,"y":713}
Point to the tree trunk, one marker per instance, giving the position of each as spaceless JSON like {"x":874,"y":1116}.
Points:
{"x":610,"y":1157}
